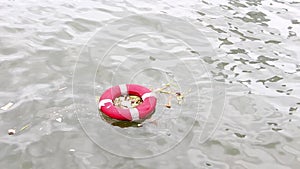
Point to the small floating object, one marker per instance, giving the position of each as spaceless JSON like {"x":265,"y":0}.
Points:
{"x":179,"y":97}
{"x":139,"y":110}
{"x":7,"y":106}
{"x":169,"y":104}
{"x":59,"y":119}
{"x":11,"y":132}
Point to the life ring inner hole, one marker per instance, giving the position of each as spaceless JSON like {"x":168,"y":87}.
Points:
{"x":127,"y":101}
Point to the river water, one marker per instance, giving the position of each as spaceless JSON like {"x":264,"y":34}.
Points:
{"x":237,"y":62}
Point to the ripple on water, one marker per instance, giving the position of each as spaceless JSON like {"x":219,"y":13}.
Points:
{"x":257,"y":57}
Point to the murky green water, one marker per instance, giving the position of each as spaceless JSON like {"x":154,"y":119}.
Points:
{"x":240,"y":59}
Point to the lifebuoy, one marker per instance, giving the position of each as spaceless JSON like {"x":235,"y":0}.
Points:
{"x":128,"y":114}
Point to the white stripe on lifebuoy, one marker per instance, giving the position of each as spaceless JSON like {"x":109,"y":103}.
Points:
{"x":135,"y":115}
{"x":123,"y":89}
{"x":102,"y":102}
{"x":146,"y":95}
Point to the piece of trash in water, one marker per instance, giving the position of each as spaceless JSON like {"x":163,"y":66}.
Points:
{"x":11,"y":131}
{"x":179,"y":97}
{"x":97,"y":99}
{"x":152,"y":58}
{"x":59,"y":119}
{"x":72,"y":150}
{"x":168,"y":89}
{"x":127,"y":101}
{"x":63,"y":88}
{"x":168,"y":105}
{"x":25,"y":127}
{"x":7,"y":106}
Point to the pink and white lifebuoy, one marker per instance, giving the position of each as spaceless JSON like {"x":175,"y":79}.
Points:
{"x":130,"y":114}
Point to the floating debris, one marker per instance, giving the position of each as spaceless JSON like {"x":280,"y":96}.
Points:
{"x":161,"y":90}
{"x":7,"y":106}
{"x":25,"y":127}
{"x":135,"y":100}
{"x":72,"y":150}
{"x":271,"y":123}
{"x":152,"y":58}
{"x":208,"y":164}
{"x":276,"y":129}
{"x":169,"y":104}
{"x":63,"y":88}
{"x":179,"y":97}
{"x":11,"y":131}
{"x":59,"y":119}
{"x":97,"y":99}
{"x":128,"y":101}
{"x":240,"y":135}
{"x":293,"y":108}
{"x":167,"y":89}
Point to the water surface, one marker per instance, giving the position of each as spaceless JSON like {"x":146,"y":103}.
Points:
{"x":250,"y":48}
